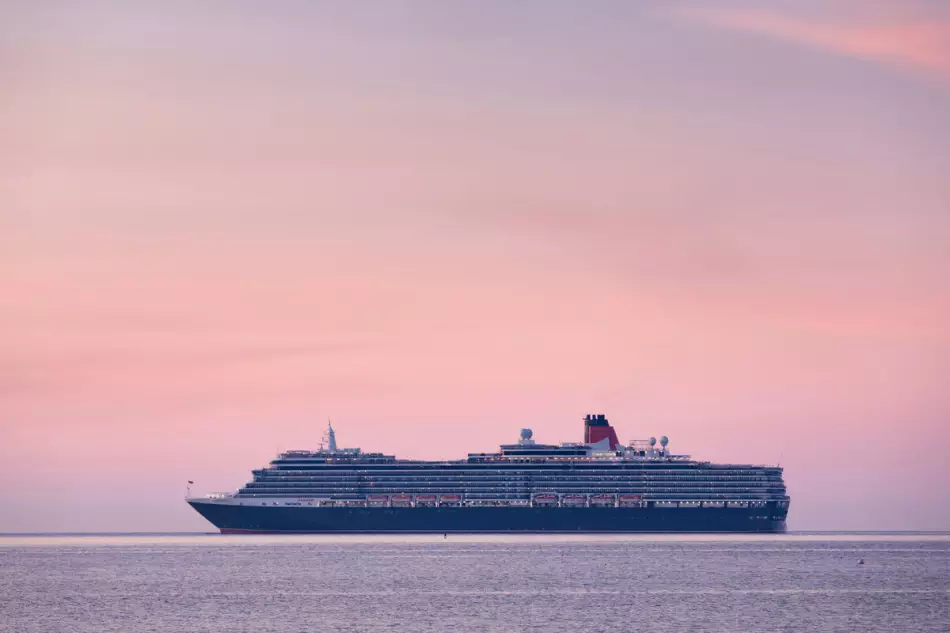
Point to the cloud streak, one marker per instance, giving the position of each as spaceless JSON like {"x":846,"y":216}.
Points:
{"x":916,"y":46}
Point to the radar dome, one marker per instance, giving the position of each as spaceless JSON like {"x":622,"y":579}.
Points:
{"x":652,"y":441}
{"x":664,"y":441}
{"x":526,"y":434}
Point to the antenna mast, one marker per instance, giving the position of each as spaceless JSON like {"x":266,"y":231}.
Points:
{"x":331,"y":437}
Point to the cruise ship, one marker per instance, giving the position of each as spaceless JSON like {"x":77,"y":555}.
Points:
{"x":598,"y":485}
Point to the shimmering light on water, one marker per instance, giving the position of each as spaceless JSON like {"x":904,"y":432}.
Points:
{"x":297,"y":584}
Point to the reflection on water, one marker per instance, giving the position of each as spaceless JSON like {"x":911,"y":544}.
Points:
{"x":209,"y":583}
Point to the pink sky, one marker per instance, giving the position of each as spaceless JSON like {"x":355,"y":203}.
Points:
{"x":439,"y":223}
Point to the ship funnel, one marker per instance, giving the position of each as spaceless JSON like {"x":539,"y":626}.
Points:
{"x":597,"y":429}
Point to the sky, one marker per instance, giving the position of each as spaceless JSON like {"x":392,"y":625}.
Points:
{"x":437,"y":223}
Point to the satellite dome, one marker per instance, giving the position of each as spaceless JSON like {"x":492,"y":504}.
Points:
{"x":526,"y":434}
{"x":652,"y":441}
{"x":664,"y":441}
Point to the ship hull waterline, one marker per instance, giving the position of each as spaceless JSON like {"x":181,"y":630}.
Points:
{"x":236,"y":519}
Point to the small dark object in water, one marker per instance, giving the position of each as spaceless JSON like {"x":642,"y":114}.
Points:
{"x":860,"y":561}
{"x":445,"y":535}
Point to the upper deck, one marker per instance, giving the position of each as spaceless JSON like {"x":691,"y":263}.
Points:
{"x":598,"y":469}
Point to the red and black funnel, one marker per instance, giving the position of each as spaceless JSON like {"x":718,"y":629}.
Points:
{"x":597,"y":428}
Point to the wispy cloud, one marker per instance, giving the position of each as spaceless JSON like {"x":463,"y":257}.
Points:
{"x":921,"y":46}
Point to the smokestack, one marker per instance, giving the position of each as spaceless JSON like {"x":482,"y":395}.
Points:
{"x":597,"y":429}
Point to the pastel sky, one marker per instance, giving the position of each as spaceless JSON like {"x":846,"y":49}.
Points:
{"x":440,"y":222}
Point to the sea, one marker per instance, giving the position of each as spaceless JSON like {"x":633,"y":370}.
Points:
{"x":210,"y":583}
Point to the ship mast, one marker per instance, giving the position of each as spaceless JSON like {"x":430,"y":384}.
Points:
{"x":331,"y":437}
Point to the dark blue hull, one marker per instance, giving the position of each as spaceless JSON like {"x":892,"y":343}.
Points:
{"x":257,"y":519}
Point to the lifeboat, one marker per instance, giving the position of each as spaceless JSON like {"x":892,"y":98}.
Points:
{"x":450,"y":499}
{"x":574,"y":500}
{"x":629,"y":500}
{"x":545,"y":499}
{"x":603,"y":500}
{"x":425,"y":500}
{"x":401,"y":500}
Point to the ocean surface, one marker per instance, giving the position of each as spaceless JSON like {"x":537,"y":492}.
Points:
{"x":291,"y":584}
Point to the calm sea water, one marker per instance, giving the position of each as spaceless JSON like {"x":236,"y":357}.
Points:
{"x":219,"y":584}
